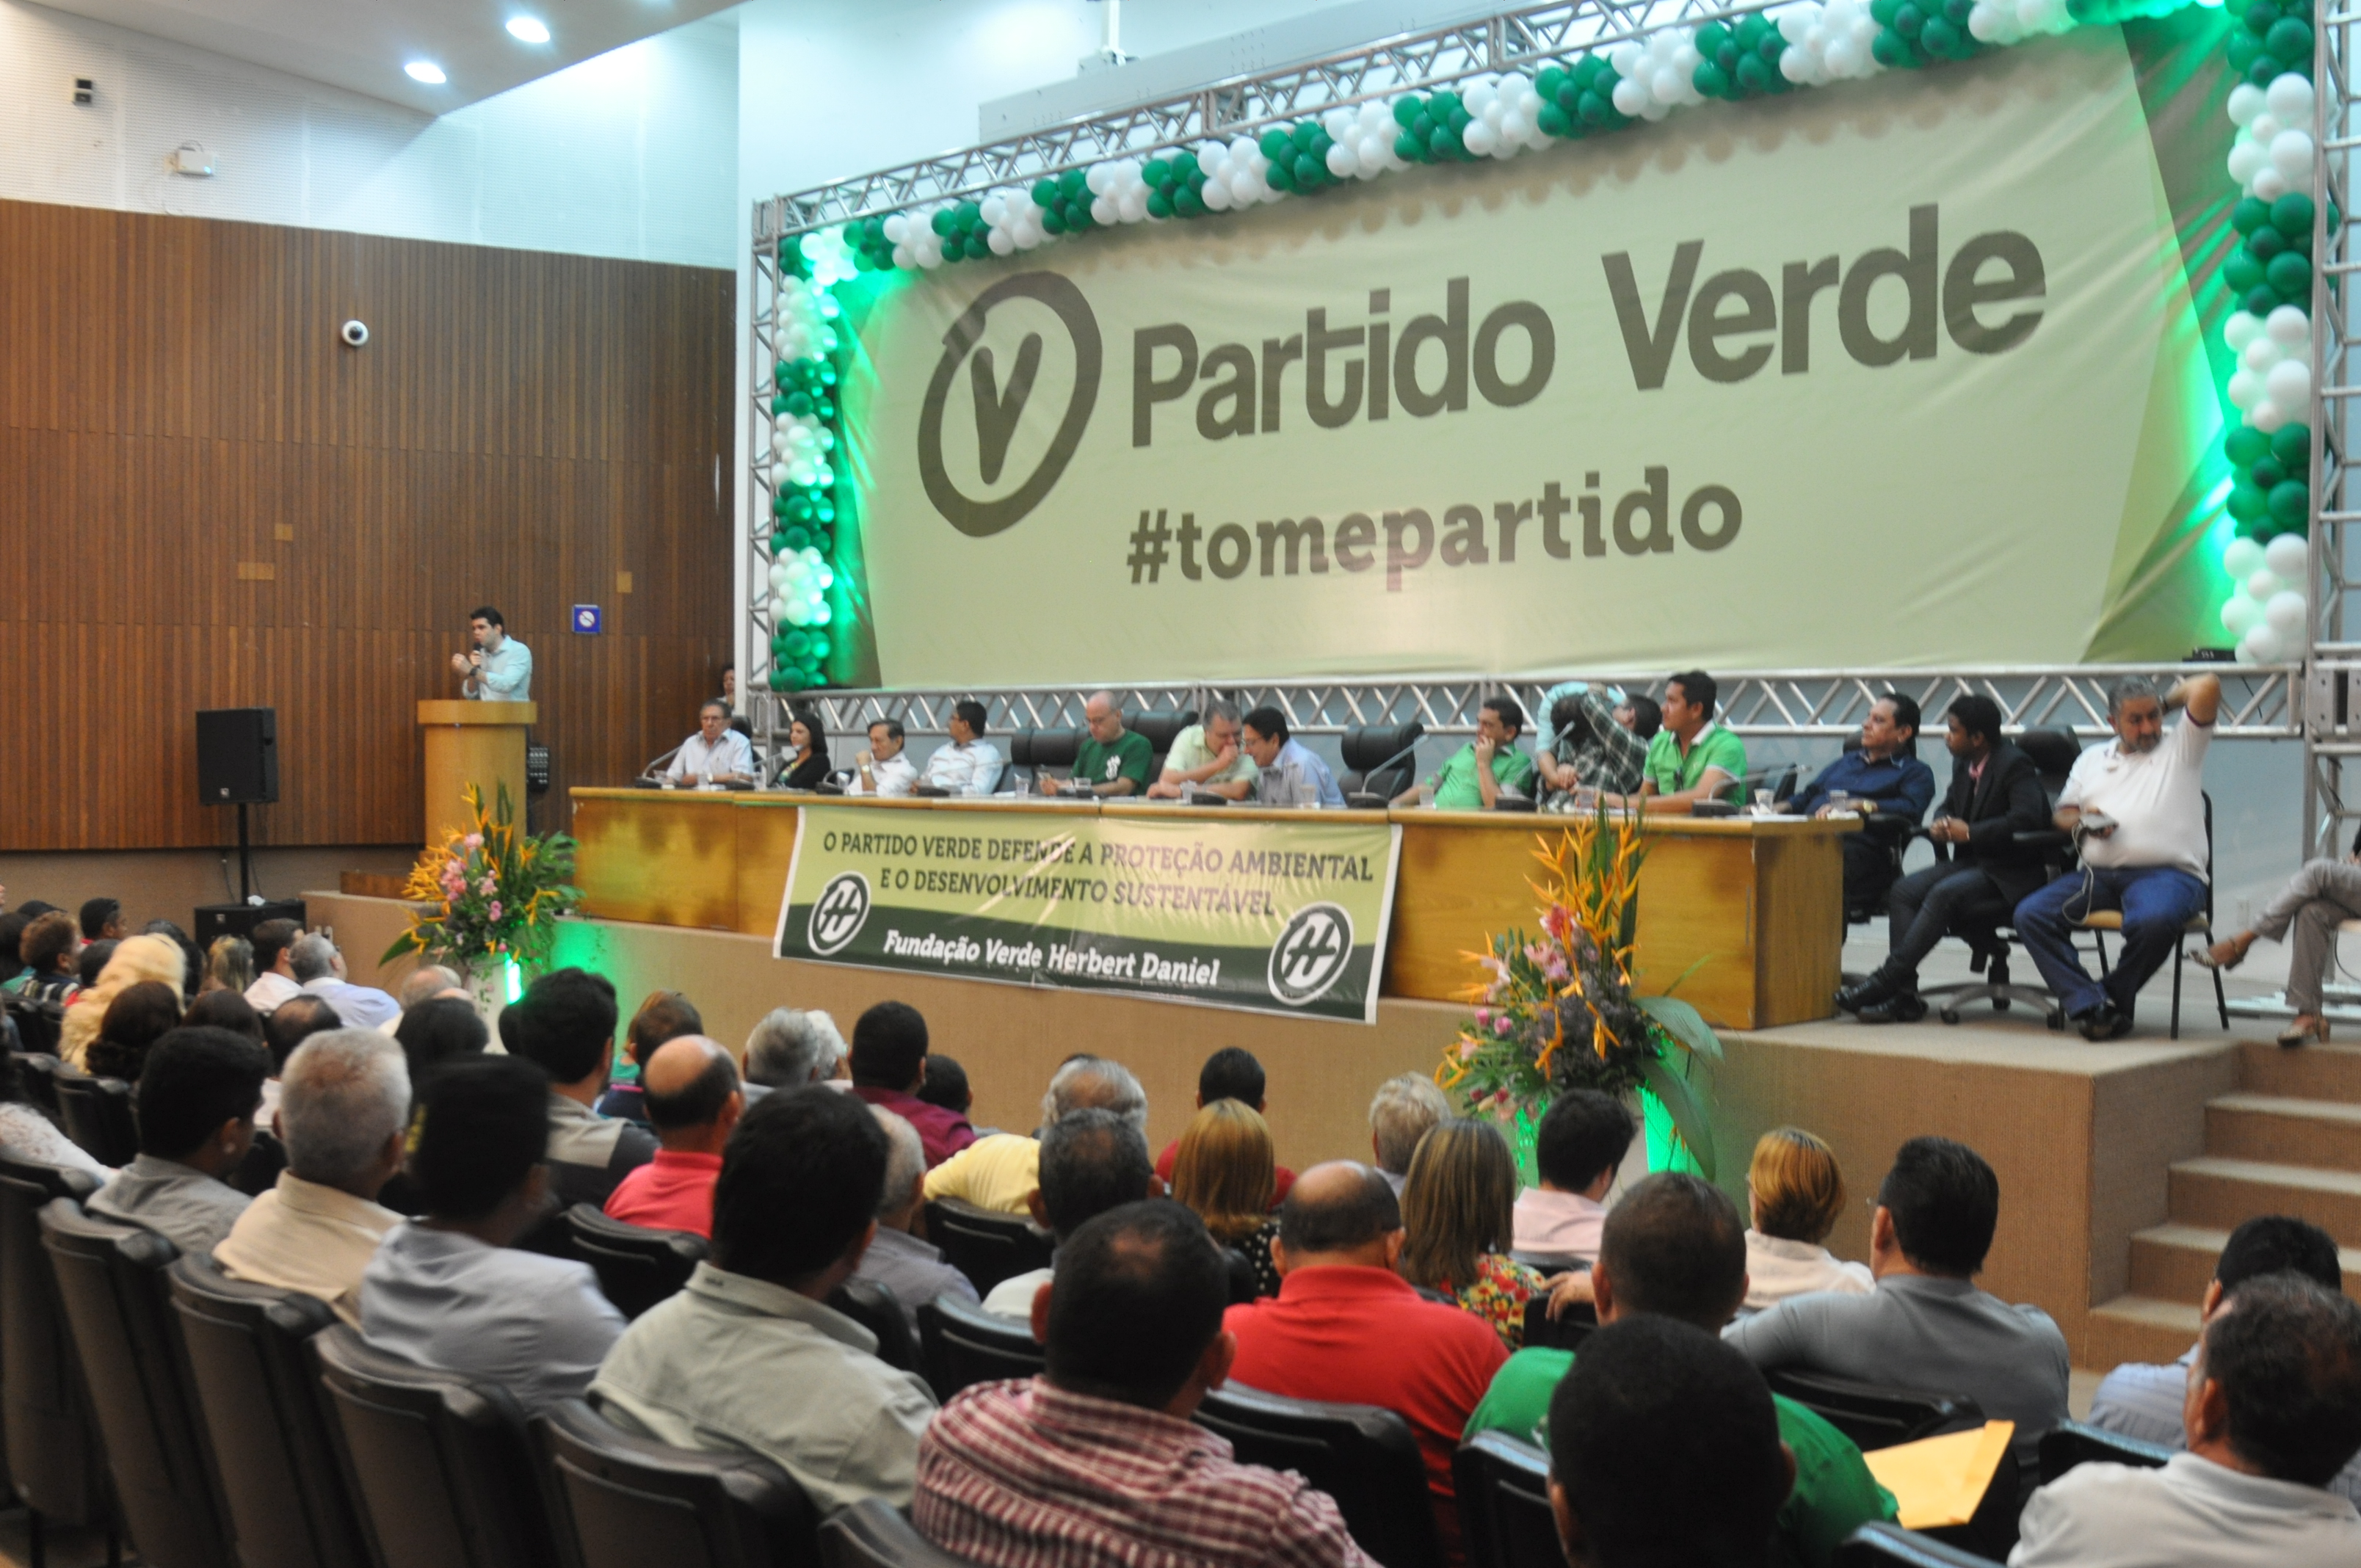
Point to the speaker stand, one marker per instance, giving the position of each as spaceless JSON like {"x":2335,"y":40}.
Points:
{"x":244,"y":858}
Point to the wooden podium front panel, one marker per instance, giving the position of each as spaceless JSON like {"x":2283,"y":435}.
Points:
{"x":667,"y":857}
{"x":481,"y":743}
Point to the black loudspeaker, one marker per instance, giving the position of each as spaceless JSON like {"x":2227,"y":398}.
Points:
{"x":217,"y":920}
{"x":237,"y":756}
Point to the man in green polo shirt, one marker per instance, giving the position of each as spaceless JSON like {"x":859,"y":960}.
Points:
{"x":1480,"y":771}
{"x":1675,"y":1245}
{"x":1111,"y":759}
{"x":1692,"y":758}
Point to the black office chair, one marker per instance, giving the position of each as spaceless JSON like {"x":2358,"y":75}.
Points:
{"x":1035,"y":750}
{"x":285,"y":1498}
{"x":2053,"y":753}
{"x":96,"y":1113}
{"x":637,"y":1266}
{"x":1161,"y":729}
{"x":1890,"y":1546}
{"x":1363,"y":1456}
{"x":874,"y":1309}
{"x":38,"y":1071}
{"x":1871,"y":1414}
{"x":438,"y":1466}
{"x":1380,"y":762}
{"x":38,"y":1024}
{"x":873,"y":1533}
{"x":986,"y":1245}
{"x":2069,"y":1443}
{"x":622,"y":1501}
{"x":54,"y":1457}
{"x":2100,"y":922}
{"x":1504,"y":1506}
{"x":1542,"y":1331}
{"x":111,"y":1290}
{"x":960,"y":1345}
{"x":265,"y":1157}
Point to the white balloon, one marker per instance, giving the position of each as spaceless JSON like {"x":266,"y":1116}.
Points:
{"x":1479,"y":137}
{"x":1133,"y":205}
{"x":2263,"y":646}
{"x":1626,"y":60}
{"x":1630,"y":97}
{"x":1376,"y":115}
{"x":2289,"y":384}
{"x":1514,"y":127}
{"x":1343,"y":162}
{"x":2291,"y":156}
{"x":1664,"y":47}
{"x":1843,"y":58}
{"x":995,"y":211}
{"x":2266,"y":416}
{"x":1372,"y":153}
{"x":1337,"y":123}
{"x":2246,"y":160}
{"x":2270,"y":184}
{"x":2260,"y":354}
{"x":2240,"y":329}
{"x":2246,"y":101}
{"x":2242,"y":557}
{"x":1665,"y":86}
{"x":1481,"y":96}
{"x":1103,"y":211}
{"x":1242,"y":151}
{"x":1796,"y":66}
{"x":2243,"y":389}
{"x":2262,"y":129}
{"x":1246,"y":186}
{"x":1795,"y":26}
{"x":2287,"y":326}
{"x":2241,"y":614}
{"x":1216,"y":196}
{"x":2287,"y":557}
{"x":2262,"y":583}
{"x":2285,"y":613}
{"x":1685,"y":58}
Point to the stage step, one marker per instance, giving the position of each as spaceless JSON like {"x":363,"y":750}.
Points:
{"x":2140,"y":1328}
{"x":2322,"y":1133}
{"x":2307,"y":1072}
{"x":2175,"y":1262}
{"x":2218,"y":1193}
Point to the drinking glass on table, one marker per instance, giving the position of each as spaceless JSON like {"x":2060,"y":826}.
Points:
{"x":1765,"y":804}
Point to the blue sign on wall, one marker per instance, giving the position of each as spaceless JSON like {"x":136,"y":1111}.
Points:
{"x":586,"y":620}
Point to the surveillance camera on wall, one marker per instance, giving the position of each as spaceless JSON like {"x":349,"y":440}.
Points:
{"x":355,"y":334}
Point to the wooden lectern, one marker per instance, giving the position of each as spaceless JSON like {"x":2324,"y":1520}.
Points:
{"x":479,"y":743}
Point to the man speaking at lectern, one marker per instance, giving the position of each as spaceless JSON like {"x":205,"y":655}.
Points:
{"x":500,"y":668}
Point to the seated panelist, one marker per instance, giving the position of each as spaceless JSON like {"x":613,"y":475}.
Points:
{"x":1881,"y":777}
{"x":1692,"y":758}
{"x":1208,"y":757}
{"x":715,"y":754}
{"x":1487,"y":767}
{"x":970,"y":764}
{"x":1112,"y":762}
{"x":883,"y":770}
{"x":1589,"y":746}
{"x":1287,"y":772}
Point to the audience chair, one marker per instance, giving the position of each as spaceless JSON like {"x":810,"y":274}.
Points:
{"x":38,"y":1024}
{"x":2069,"y":1443}
{"x":874,"y":1309}
{"x":637,"y":1266}
{"x":54,"y":1456}
{"x":617,"y":1500}
{"x":1035,"y":750}
{"x":960,"y":1345}
{"x":1381,"y":763}
{"x":1161,"y":729}
{"x":984,"y":1245}
{"x":1244,"y":1286}
{"x":1545,"y":1332}
{"x":1891,"y":1546}
{"x":874,"y":1534}
{"x":2100,"y":922}
{"x":438,"y":1466}
{"x":98,"y":1115}
{"x":38,"y":1070}
{"x":111,"y":1290}
{"x":1504,"y":1505}
{"x":2053,"y":753}
{"x":286,"y":1498}
{"x":1871,"y":1414}
{"x":1363,"y":1456}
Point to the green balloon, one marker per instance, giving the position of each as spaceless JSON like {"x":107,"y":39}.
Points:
{"x":1408,"y":107}
{"x":2291,"y":214}
{"x":2264,"y":473}
{"x":1160,"y":205}
{"x":1309,"y":172}
{"x":1753,"y":76}
{"x":2289,"y":273}
{"x":1890,"y":48}
{"x":1443,"y":144}
{"x":1409,"y":149}
{"x":1710,"y":38}
{"x":2265,"y":243}
{"x":2246,"y":503}
{"x":1909,"y":19}
{"x":2242,"y":50}
{"x":2247,"y":445}
{"x":1274,"y":144}
{"x":1548,"y":79}
{"x":1074,"y":183}
{"x":1188,"y":203}
{"x":2261,"y":299}
{"x":2251,"y":213}
{"x":1711,"y":80}
{"x":1306,"y":135}
{"x":2291,"y":444}
{"x":2290,"y":502}
{"x":2242,"y":272}
{"x":2289,"y":41}
{"x":1553,"y":121}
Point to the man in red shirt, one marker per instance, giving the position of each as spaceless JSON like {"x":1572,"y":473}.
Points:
{"x":692,"y":1102}
{"x":889,"y":1063}
{"x":1346,"y":1329}
{"x":1230,"y":1073}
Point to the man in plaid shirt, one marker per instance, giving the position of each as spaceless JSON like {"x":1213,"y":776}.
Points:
{"x":1096,"y":1461}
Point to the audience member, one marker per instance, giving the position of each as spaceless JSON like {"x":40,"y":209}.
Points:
{"x":662,"y":1016}
{"x":1665,"y":1452}
{"x":229,"y":966}
{"x":288,"y":1025}
{"x":2273,"y":1412}
{"x":92,"y":961}
{"x":946,"y":1085}
{"x":453,"y":1289}
{"x":564,"y":1023}
{"x":196,"y":1102}
{"x":221,"y":1009}
{"x":1995,"y":794}
{"x":970,"y":764}
{"x":134,"y":960}
{"x":1692,"y":758}
{"x":2317,"y":901}
{"x":2144,"y":1402}
{"x":274,"y":976}
{"x":1095,"y":1463}
{"x":101,"y":920}
{"x":1459,"y":1212}
{"x":889,"y":1063}
{"x":2137,"y":808}
{"x":1673,"y":1247}
{"x":1926,"y":1325}
{"x":435,"y":1032}
{"x":192,"y":958}
{"x":319,"y":968}
{"x":342,"y":1109}
{"x":789,"y":1050}
{"x":899,"y":1261}
{"x":1586,"y":748}
{"x":1881,"y":776}
{"x":1346,"y":1327}
{"x":1402,"y":1112}
{"x":49,"y":948}
{"x":1287,"y":772}
{"x":1795,"y":1190}
{"x":1091,"y":1161}
{"x":1478,"y":775}
{"x":1207,"y":759}
{"x":1111,"y":759}
{"x":747,"y":1357}
{"x":1224,"y":1174}
{"x":1577,"y":1150}
{"x":12,"y":937}
{"x":28,"y":1134}
{"x":884,"y":770}
{"x":427,"y":982}
{"x":1002,"y":1171}
{"x":1230,"y":1073}
{"x":693,"y":1104}
{"x":135,"y":1020}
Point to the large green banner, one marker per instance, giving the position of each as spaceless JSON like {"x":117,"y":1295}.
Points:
{"x":1907,"y":372}
{"x":1282,"y":917}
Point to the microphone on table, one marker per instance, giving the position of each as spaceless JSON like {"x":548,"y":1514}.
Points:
{"x":1369,"y":800}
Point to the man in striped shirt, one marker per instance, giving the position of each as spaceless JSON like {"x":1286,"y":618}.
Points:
{"x":1096,"y":1463}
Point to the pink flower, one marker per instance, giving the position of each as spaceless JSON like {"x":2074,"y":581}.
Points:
{"x":494,"y":912}
{"x":1483,"y":1018}
{"x":1500,"y":1023}
{"x":473,"y":841}
{"x":488,"y":887}
{"x":1468,"y":1049}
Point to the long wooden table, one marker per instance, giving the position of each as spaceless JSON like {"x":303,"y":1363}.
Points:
{"x":1743,"y":918}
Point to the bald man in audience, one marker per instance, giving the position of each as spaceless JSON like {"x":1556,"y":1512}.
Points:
{"x":694,"y":1101}
{"x":425,"y":984}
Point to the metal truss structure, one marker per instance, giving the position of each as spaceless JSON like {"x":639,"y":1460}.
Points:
{"x":2331,"y":731}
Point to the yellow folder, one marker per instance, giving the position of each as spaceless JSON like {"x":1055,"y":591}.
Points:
{"x":1938,"y":1481}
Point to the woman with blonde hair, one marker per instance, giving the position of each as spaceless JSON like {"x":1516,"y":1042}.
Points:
{"x":159,"y":959}
{"x":1458,"y":1219}
{"x":1225,"y":1171}
{"x":1795,"y":1191}
{"x":229,"y":965}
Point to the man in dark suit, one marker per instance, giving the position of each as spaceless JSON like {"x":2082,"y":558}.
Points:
{"x":1995,"y":794}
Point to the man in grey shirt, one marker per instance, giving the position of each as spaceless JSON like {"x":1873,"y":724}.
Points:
{"x":564,"y":1023}
{"x":1925,"y":1326}
{"x":198,"y":1093}
{"x":910,"y":1270}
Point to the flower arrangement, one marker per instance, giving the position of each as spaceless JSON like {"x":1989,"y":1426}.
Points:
{"x":496,"y":893}
{"x":1558,"y":1012}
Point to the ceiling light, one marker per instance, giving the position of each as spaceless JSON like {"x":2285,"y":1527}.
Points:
{"x":529,"y":30}
{"x":425,"y":70}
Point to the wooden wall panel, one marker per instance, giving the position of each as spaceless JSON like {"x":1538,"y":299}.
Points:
{"x":206,"y":501}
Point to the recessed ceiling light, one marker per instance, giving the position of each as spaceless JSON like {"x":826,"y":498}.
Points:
{"x":425,"y":70}
{"x":529,"y":30}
